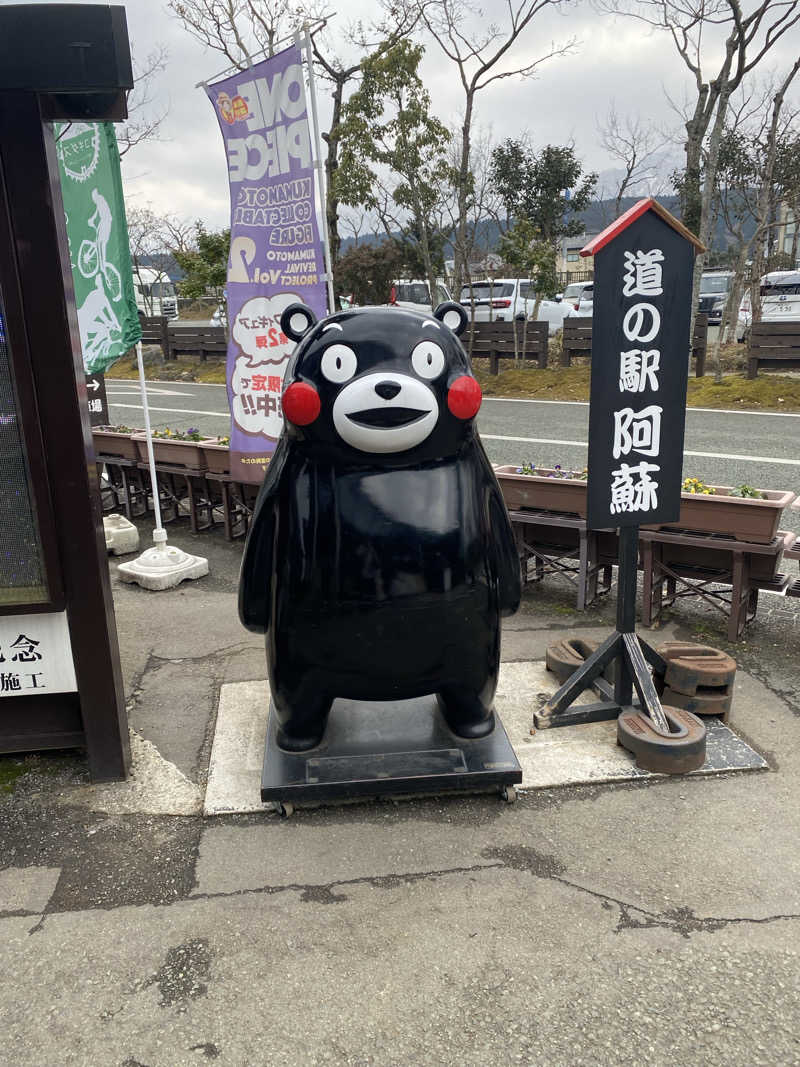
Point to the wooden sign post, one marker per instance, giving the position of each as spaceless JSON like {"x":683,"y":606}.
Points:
{"x":640,"y":358}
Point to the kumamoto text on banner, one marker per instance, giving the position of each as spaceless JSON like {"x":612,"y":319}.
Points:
{"x":276,"y":256}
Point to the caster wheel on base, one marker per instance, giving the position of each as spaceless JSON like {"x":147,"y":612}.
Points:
{"x":509,"y":794}
{"x":283,"y":808}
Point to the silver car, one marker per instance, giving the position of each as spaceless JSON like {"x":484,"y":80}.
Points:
{"x":505,"y":299}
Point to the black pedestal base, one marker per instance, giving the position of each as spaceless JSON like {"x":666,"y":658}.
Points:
{"x":389,"y":747}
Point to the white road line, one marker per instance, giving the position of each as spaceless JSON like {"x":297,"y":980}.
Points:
{"x":500,"y":437}
{"x":526,"y":400}
{"x":585,"y":404}
{"x":174,"y":411}
{"x":164,"y":381}
{"x":687,"y":452}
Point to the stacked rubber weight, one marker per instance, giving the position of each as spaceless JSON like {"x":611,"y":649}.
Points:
{"x":698,"y":679}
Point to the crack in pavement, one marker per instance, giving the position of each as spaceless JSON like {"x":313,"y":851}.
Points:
{"x":681,"y":920}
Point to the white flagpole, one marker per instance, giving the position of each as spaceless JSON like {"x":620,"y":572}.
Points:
{"x":159,"y":534}
{"x":324,"y":233}
{"x":163,"y":566}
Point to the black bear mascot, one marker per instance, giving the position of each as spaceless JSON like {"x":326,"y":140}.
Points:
{"x":380,"y":557}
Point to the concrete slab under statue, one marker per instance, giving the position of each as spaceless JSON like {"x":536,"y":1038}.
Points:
{"x":379,"y":563}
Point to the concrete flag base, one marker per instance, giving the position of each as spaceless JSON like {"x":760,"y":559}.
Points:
{"x":163,"y":566}
{"x":121,"y":535}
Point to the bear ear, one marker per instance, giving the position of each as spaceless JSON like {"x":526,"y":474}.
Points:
{"x":453,"y":316}
{"x":297,"y":320}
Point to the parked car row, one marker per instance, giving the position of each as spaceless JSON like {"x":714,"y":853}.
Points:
{"x":506,"y":299}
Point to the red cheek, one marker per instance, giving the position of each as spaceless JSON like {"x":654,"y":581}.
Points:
{"x":464,"y":397}
{"x":301,"y":403}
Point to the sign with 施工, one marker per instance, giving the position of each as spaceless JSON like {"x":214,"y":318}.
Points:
{"x":640,"y":357}
{"x":35,"y":655}
{"x":97,"y":231}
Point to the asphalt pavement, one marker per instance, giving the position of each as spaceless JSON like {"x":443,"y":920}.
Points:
{"x":721,"y":447}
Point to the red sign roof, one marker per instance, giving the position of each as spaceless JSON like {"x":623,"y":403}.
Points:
{"x":633,"y":213}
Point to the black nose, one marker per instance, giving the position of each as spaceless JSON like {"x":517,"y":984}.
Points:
{"x":387,"y":390}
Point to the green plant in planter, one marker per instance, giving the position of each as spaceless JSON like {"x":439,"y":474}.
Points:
{"x":192,"y":434}
{"x":748,"y":492}
{"x":224,"y":441}
{"x":557,"y":472}
{"x":115,"y":429}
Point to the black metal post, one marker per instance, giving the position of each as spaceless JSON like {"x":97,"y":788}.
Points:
{"x":626,"y":607}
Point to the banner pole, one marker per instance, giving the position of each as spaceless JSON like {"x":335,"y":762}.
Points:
{"x":323,"y":196}
{"x":159,"y":534}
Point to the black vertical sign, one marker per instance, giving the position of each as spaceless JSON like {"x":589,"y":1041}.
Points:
{"x":640,"y":357}
{"x":97,"y":399}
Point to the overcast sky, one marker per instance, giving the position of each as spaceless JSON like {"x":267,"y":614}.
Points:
{"x":615,"y":59}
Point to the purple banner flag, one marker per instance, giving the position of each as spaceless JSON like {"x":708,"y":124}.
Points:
{"x":276,"y":254}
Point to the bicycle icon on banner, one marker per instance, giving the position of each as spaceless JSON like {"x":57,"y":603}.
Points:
{"x":92,"y":252}
{"x":98,"y":323}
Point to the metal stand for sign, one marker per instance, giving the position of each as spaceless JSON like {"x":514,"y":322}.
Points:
{"x":667,"y":740}
{"x":625,"y":649}
{"x":645,"y":256}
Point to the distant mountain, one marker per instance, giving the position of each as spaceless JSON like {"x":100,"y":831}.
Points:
{"x":596,"y":217}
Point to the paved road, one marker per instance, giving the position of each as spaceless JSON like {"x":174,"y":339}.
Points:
{"x":722,"y":447}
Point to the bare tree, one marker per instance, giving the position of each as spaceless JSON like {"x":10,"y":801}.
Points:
{"x":482,"y":57}
{"x":153,"y":238}
{"x":765,"y":203}
{"x":748,"y":39}
{"x":144,"y":118}
{"x":636,"y":145}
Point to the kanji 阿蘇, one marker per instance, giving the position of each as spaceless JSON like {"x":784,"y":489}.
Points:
{"x":628,"y":494}
{"x":639,"y":430}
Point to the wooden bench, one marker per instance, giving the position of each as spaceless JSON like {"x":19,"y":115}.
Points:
{"x":577,"y":341}
{"x":725,"y":573}
{"x":496,"y":340}
{"x":775,"y":345}
{"x":155,"y":332}
{"x":203,"y":341}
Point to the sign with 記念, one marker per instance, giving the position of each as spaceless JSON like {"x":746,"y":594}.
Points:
{"x":276,"y":257}
{"x":35,"y":655}
{"x":640,"y":357}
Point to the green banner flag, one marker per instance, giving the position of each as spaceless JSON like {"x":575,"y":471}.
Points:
{"x":99,"y":252}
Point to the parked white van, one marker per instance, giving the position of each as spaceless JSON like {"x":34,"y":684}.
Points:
{"x":780,"y":300}
{"x":155,"y":293}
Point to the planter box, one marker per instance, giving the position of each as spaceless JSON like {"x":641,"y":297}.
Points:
{"x":114,"y":445}
{"x":187,"y":454}
{"x":540,"y":492}
{"x":217,"y":457}
{"x":744,"y":518}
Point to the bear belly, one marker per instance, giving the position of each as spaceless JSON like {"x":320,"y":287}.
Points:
{"x":392,"y":650}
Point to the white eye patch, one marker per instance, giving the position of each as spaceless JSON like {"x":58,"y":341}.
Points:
{"x":338,"y":363}
{"x":427,"y":359}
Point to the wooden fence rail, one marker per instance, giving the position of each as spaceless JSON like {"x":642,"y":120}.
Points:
{"x":773,"y":344}
{"x":503,"y":340}
{"x":577,"y":341}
